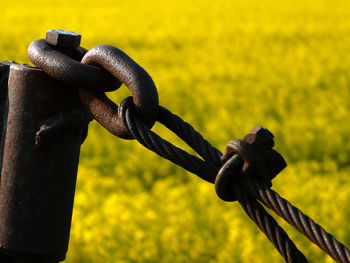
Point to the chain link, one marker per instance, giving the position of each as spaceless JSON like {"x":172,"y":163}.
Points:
{"x":68,"y":69}
{"x":136,"y":79}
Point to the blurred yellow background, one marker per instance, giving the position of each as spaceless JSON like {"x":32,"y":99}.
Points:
{"x":225,"y":67}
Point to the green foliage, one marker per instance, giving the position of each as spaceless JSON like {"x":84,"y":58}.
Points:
{"x":225,"y":67}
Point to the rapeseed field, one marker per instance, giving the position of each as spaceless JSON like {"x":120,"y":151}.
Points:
{"x":225,"y":67}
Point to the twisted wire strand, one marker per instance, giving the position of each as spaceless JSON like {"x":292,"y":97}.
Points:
{"x":311,"y":230}
{"x":208,"y":169}
{"x":268,"y":225}
{"x":188,"y":134}
{"x":155,"y":143}
{"x":303,"y":223}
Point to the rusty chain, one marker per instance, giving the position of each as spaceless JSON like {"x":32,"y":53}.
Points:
{"x":101,"y":63}
{"x":243,"y":173}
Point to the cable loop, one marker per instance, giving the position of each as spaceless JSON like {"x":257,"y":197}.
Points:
{"x":249,"y":190}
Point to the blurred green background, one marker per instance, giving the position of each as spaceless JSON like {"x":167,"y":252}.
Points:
{"x":225,"y":67}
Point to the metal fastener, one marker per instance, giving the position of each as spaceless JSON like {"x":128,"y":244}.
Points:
{"x":63,"y":39}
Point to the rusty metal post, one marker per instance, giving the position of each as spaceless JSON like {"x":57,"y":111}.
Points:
{"x":44,"y":131}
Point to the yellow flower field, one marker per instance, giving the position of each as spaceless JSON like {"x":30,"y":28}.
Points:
{"x":225,"y":67}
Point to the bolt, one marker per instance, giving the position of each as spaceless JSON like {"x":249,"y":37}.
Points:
{"x":62,"y":39}
{"x":260,"y":138}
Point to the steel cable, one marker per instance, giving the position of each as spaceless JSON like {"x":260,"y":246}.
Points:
{"x":209,"y":167}
{"x":205,"y":170}
{"x":314,"y":232}
{"x":298,"y":219}
{"x":268,"y":226}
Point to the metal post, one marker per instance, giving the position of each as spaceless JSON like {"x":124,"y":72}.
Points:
{"x":44,"y":131}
